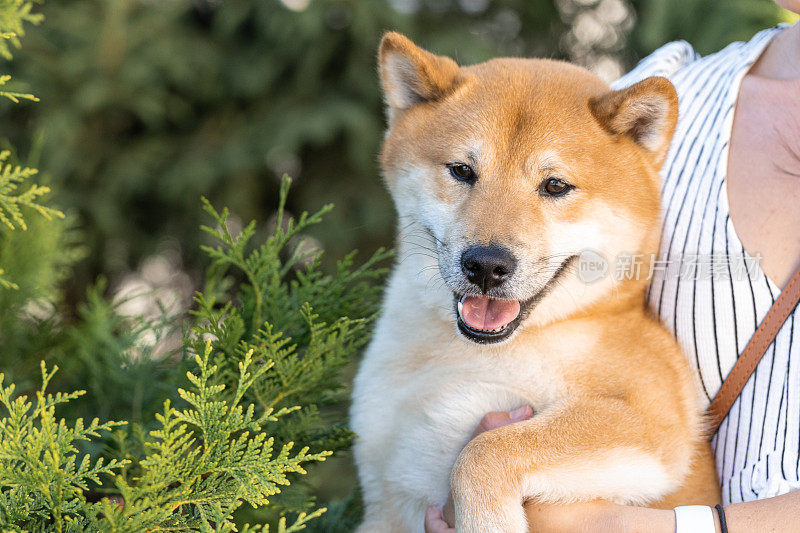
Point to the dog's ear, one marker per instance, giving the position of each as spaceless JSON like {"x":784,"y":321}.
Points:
{"x":647,"y":112}
{"x":410,"y":75}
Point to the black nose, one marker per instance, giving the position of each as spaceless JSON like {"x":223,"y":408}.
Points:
{"x":488,"y":266}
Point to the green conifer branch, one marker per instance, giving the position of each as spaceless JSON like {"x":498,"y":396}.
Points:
{"x":12,"y":95}
{"x":228,"y":439}
{"x":14,"y":14}
{"x":42,"y":474}
{"x":202,"y":463}
{"x":11,"y":176}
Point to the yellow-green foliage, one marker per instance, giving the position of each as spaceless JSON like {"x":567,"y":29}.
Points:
{"x":14,"y":96}
{"x":202,"y":462}
{"x":195,"y":452}
{"x":287,"y":314}
{"x":42,"y":475}
{"x":11,"y":199}
{"x":264,"y":362}
{"x":13,"y":15}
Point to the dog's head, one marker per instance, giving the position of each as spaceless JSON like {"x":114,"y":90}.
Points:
{"x":504,"y":173}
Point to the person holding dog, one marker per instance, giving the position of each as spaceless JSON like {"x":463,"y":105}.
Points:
{"x":730,"y":191}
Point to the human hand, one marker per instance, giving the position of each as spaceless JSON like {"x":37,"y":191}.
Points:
{"x":434,"y":522}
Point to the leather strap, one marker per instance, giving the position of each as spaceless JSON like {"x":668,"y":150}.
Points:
{"x":754,"y":351}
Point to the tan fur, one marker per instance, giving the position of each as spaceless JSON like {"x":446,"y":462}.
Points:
{"x":618,"y":414}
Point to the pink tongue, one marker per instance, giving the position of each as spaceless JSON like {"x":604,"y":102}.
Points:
{"x":481,"y":312}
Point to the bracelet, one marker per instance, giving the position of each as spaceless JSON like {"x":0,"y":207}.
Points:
{"x":694,"y":519}
{"x":723,"y":524}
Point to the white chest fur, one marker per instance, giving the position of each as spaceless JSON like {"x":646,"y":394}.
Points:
{"x":419,"y":394}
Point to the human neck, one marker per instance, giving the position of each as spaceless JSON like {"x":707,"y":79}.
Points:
{"x":781,"y":59}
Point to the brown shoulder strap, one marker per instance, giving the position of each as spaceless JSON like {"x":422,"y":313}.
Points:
{"x":754,"y":351}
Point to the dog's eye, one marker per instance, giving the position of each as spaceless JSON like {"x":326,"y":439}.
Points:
{"x":555,"y":187}
{"x":462,"y":172}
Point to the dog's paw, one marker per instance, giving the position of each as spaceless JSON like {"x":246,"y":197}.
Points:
{"x":508,"y":518}
{"x":485,"y":491}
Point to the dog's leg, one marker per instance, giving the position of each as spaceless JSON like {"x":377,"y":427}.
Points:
{"x":599,"y":448}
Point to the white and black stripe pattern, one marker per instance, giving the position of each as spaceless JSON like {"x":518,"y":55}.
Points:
{"x":714,"y":317}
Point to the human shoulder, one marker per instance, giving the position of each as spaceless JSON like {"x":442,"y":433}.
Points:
{"x":665,"y":61}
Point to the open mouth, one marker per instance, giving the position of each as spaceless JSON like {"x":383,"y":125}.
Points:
{"x":484,"y":320}
{"x":487,"y":320}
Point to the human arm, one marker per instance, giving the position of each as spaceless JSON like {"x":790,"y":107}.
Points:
{"x":778,"y":514}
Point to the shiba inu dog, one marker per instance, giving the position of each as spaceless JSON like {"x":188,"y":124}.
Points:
{"x":503,"y":174}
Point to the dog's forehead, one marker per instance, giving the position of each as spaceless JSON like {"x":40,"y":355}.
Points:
{"x":531,"y":87}
{"x":524,"y":108}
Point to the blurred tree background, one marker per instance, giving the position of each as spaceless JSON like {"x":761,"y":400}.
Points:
{"x":145,"y":105}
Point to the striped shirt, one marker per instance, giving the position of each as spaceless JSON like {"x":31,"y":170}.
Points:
{"x":707,"y":289}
